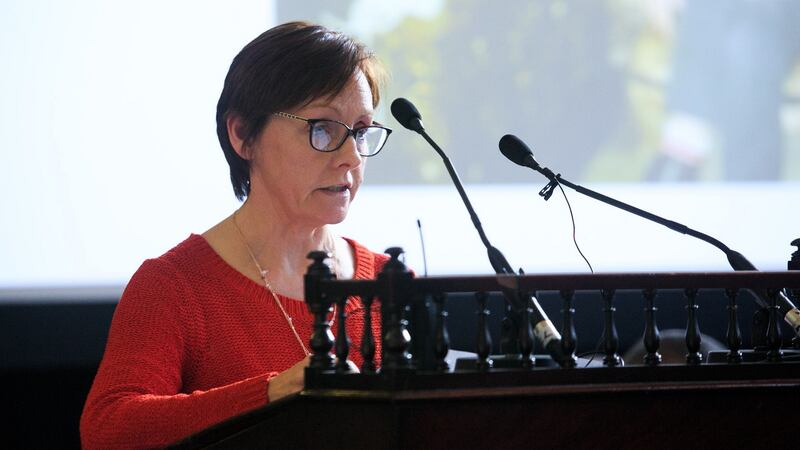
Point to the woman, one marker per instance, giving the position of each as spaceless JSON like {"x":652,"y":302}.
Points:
{"x":216,"y":326}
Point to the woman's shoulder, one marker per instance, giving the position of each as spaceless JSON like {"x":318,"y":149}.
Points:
{"x":183,"y":281}
{"x":367,"y":262}
{"x":192,"y":248}
{"x":191,"y":258}
{"x":192,"y":253}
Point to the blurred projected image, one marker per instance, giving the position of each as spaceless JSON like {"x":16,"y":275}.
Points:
{"x":613,"y":90}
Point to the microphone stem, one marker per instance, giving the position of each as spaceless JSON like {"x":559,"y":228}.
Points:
{"x":735,"y":259}
{"x":680,"y":228}
{"x":460,"y":188}
{"x":500,"y":264}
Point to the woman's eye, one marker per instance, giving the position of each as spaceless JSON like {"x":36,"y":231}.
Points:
{"x":320,"y":136}
{"x":321,"y":127}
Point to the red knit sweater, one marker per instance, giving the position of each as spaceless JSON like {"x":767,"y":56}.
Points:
{"x":194,"y":342}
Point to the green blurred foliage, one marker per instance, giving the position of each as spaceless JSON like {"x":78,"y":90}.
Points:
{"x":584,"y":82}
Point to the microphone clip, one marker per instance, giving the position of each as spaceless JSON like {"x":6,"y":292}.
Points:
{"x":547,"y":191}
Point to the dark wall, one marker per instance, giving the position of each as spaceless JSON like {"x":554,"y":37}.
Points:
{"x":49,"y":355}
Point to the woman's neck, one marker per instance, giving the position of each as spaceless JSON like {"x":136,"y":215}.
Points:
{"x":261,"y":239}
{"x":279,"y":245}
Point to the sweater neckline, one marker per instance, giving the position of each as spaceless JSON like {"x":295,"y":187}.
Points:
{"x":364,"y":269}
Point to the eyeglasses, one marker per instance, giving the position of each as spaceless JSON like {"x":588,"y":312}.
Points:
{"x":327,"y":135}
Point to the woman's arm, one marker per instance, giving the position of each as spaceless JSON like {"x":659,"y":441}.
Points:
{"x":138,"y":399}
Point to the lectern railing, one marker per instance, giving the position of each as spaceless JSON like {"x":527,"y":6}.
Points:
{"x":399,"y":296}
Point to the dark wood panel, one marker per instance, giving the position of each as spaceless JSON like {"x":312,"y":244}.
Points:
{"x":672,"y":407}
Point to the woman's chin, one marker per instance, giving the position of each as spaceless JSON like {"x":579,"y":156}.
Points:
{"x":333,"y":212}
{"x":333,"y":216}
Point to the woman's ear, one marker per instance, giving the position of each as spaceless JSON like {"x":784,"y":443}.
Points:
{"x":236,"y":135}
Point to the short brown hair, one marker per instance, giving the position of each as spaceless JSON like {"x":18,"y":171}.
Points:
{"x":285,"y":67}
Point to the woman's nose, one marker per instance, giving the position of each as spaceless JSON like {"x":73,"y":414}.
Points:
{"x":348,"y":153}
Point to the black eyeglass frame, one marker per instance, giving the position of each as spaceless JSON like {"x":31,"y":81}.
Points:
{"x":350,"y":132}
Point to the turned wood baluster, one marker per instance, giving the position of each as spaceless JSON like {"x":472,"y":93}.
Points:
{"x":774,"y":328}
{"x":484,"y":338}
{"x":652,"y":339}
{"x":794,"y":291}
{"x":610,"y":337}
{"x":526,"y":333}
{"x":733,"y":334}
{"x":320,"y":305}
{"x":795,"y":294}
{"x":396,"y":339}
{"x":368,"y":339}
{"x":441,"y":338}
{"x":693,"y":357}
{"x":569,"y":339}
{"x":342,"y":340}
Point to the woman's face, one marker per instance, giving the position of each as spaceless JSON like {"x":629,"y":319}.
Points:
{"x":307,"y":186}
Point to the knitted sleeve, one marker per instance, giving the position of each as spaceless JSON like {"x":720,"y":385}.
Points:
{"x":136,"y":399}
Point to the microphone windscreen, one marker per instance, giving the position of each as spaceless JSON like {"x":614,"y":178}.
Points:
{"x":514,"y":149}
{"x":406,"y":113}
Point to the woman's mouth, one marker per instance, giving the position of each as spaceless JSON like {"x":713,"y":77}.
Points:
{"x":336,"y":190}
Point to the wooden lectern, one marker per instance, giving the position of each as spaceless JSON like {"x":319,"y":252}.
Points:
{"x":738,"y":399}
{"x":748,"y":406}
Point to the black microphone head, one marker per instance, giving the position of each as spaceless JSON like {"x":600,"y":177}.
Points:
{"x":406,"y":113}
{"x":515,"y":150}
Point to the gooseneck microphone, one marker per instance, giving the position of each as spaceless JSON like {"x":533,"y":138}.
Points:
{"x":517,"y":152}
{"x":409,"y":117}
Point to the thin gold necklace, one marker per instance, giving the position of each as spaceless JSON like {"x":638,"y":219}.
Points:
{"x":268,"y":286}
